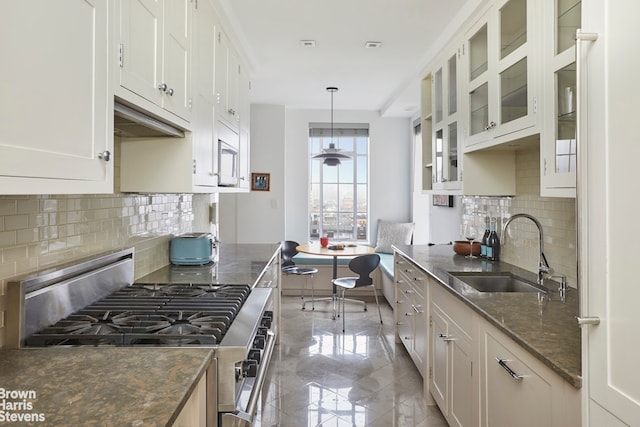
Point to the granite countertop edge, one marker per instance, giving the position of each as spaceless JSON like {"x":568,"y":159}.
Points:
{"x":104,"y":386}
{"x":563,"y":358}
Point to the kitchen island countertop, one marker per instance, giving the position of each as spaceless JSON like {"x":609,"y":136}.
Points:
{"x":83,"y":386}
{"x":546,"y":327}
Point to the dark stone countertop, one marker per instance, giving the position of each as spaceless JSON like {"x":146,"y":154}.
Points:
{"x":547,"y":329}
{"x":88,"y":386}
{"x":237,"y":264}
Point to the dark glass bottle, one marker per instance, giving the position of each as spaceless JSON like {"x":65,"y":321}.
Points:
{"x":485,"y":238}
{"x":493,"y":244}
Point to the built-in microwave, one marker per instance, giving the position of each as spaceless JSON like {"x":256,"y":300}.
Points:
{"x":228,"y":144}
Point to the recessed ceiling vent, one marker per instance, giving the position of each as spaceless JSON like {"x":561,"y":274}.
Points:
{"x":372,"y":45}
{"x":308,"y":43}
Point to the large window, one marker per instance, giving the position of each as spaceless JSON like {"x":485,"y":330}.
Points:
{"x":339,"y":195}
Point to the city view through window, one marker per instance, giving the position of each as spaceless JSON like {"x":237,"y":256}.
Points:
{"x":338,"y":195}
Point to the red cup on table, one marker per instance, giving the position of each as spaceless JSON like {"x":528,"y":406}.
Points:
{"x":324,"y":241}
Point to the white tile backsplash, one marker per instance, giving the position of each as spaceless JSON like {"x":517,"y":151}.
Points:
{"x":557,"y":216}
{"x":37,"y":232}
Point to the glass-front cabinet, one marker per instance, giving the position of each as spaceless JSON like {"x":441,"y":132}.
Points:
{"x":501,"y":81}
{"x":558,"y":139}
{"x":446,"y":168}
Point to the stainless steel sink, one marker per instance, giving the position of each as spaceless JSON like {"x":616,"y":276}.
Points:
{"x":496,"y":282}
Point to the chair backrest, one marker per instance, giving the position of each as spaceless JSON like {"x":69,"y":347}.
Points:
{"x":363,"y":265}
{"x":288,"y":251}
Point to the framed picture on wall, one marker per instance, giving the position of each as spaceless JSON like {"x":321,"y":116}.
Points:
{"x":260,"y":181}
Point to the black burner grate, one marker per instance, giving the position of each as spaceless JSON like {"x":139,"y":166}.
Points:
{"x":150,"y":315}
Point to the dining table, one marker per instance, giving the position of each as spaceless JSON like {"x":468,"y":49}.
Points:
{"x":335,"y":250}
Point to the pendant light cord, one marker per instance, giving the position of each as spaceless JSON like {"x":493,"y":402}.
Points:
{"x":332,"y":89}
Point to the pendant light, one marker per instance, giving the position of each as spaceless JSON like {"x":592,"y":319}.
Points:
{"x":331,"y":156}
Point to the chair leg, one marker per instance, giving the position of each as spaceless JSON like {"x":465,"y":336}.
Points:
{"x":305,"y":285}
{"x":375,"y":294}
{"x":343,"y":291}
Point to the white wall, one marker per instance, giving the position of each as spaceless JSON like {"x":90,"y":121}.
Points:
{"x":279,"y":146}
{"x":258,"y":216}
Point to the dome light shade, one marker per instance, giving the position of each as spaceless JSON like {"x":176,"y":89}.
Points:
{"x":331,"y":156}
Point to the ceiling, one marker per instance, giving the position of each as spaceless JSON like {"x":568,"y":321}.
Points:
{"x":384,"y":79}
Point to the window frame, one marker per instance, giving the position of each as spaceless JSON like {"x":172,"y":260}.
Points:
{"x":354,"y":140}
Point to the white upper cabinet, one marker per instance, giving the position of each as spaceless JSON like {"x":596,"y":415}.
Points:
{"x":501,"y":76}
{"x":558,"y":149}
{"x":205,"y":153}
{"x":190,"y":164}
{"x":55,"y":112}
{"x":154,"y":55}
{"x":446,"y":124}
{"x":186,"y":164}
{"x":245,"y":128}
{"x":228,"y":70}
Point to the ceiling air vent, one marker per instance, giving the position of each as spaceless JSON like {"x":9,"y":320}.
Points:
{"x":372,"y":45}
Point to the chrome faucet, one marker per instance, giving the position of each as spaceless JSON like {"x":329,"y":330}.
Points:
{"x":543,"y":265}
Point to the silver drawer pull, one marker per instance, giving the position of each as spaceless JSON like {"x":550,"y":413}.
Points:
{"x":446,"y":338}
{"x":408,"y":314}
{"x":503,"y":363}
{"x":588,"y":321}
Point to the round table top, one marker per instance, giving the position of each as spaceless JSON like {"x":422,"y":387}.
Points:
{"x":349,"y":250}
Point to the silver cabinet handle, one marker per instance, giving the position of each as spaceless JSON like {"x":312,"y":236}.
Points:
{"x":105,"y":155}
{"x":514,"y":375}
{"x":170,"y":92}
{"x":446,"y":338}
{"x":162,"y":87}
{"x":582,"y":321}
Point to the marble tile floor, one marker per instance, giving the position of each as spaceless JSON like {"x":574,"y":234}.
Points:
{"x":320,"y":376}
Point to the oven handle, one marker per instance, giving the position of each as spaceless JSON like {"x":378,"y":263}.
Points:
{"x":246,"y":418}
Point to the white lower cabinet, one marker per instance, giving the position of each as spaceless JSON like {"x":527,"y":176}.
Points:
{"x":453,"y":380}
{"x":410,"y":316}
{"x":475,"y":373}
{"x":518,"y":389}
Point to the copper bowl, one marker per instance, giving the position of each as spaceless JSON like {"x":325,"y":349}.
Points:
{"x":461,"y":247}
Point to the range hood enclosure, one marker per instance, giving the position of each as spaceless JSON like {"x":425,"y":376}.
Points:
{"x":130,"y":122}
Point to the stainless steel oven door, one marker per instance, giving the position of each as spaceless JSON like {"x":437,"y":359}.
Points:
{"x":250,"y":396}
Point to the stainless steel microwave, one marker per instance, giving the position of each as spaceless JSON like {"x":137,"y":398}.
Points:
{"x":228,"y":161}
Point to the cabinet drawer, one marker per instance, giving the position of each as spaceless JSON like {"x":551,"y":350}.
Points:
{"x":515,"y":393}
{"x":455,"y":309}
{"x":408,"y":272}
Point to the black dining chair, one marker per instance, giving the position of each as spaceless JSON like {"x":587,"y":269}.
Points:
{"x":363,"y":266}
{"x":288,"y":251}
